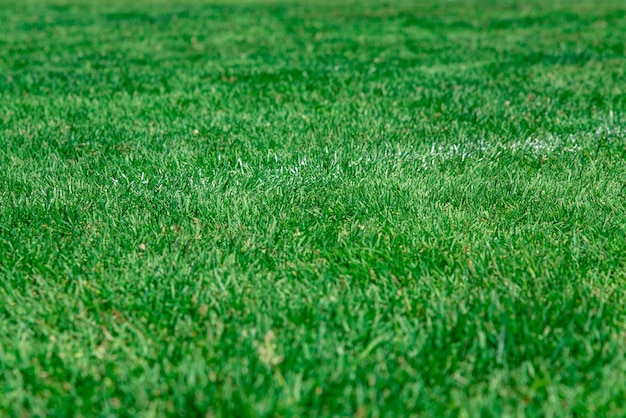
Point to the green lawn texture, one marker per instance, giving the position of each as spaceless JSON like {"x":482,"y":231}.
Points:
{"x":312,"y":208}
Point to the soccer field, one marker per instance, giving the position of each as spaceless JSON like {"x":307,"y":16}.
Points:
{"x":312,"y":208}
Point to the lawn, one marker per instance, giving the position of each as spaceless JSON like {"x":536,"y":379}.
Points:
{"x":312,"y":208}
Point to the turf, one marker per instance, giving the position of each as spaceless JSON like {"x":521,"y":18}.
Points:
{"x":312,"y":208}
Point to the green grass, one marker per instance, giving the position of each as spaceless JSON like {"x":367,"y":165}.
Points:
{"x":312,"y":208}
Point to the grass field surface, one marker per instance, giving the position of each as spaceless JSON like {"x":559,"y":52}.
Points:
{"x":312,"y":208}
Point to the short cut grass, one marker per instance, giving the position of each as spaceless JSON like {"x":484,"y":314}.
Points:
{"x":312,"y":208}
